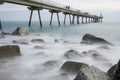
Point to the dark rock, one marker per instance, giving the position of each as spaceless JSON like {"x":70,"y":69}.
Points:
{"x":91,"y":73}
{"x":20,"y":31}
{"x":91,"y":39}
{"x":72,"y":54}
{"x":51,"y":63}
{"x":72,"y":67}
{"x":56,"y":40}
{"x":9,"y":50}
{"x":37,"y":41}
{"x":114,"y":72}
{"x":20,"y":42}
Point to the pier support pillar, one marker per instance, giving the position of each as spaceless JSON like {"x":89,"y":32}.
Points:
{"x":82,"y":19}
{"x":70,"y":19}
{"x":30,"y":18}
{"x":73,"y":19}
{"x":64,"y":19}
{"x":78,"y":20}
{"x":38,"y":10}
{"x":58,"y":19}
{"x":86,"y":20}
{"x":52,"y":12}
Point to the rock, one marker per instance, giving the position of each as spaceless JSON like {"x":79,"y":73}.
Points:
{"x":20,"y":31}
{"x":91,"y":39}
{"x":56,"y":40}
{"x":51,"y":63}
{"x":72,"y":54}
{"x":39,"y":47}
{"x":72,"y":67}
{"x":91,"y":73}
{"x":62,"y":76}
{"x":114,"y":72}
{"x":20,"y":42}
{"x":9,"y":50}
{"x":94,"y":54}
{"x":40,"y":54}
{"x":103,"y":47}
{"x":37,"y":41}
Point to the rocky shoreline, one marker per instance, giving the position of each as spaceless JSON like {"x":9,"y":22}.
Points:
{"x":82,"y":71}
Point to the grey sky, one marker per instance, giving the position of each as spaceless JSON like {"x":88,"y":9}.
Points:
{"x":109,"y":8}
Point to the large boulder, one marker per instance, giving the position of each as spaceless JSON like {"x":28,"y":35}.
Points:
{"x":20,"y":31}
{"x":72,"y":54}
{"x":114,"y":72}
{"x":91,"y":73}
{"x":9,"y":50}
{"x":72,"y":67}
{"x":91,"y":39}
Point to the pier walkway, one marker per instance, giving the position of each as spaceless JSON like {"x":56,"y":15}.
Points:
{"x":55,"y":7}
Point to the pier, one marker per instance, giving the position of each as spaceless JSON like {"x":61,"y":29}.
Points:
{"x":56,"y":8}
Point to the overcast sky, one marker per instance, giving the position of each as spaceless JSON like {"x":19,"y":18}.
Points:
{"x":109,"y":8}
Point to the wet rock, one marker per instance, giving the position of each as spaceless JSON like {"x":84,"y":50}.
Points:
{"x":20,"y":42}
{"x":91,"y":73}
{"x":91,"y":39}
{"x":37,"y":41}
{"x":39,"y":47}
{"x":114,"y":72}
{"x":56,"y":40}
{"x":20,"y":31}
{"x":103,"y":47}
{"x":52,"y":63}
{"x":72,"y":54}
{"x":72,"y":67}
{"x":9,"y":50}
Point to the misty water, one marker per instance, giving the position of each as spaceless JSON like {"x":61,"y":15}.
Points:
{"x":31,"y":64}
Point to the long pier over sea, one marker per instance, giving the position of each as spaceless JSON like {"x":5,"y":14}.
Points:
{"x":56,"y":8}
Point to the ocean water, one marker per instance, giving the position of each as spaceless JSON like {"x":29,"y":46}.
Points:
{"x":31,"y":64}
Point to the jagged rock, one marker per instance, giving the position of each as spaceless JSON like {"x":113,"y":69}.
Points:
{"x":72,"y":67}
{"x":91,"y":39}
{"x":20,"y":31}
{"x":51,"y":63}
{"x":9,"y":50}
{"x":91,"y":73}
{"x":114,"y":72}
{"x":37,"y":41}
{"x":20,"y":42}
{"x":72,"y":54}
{"x":56,"y":40}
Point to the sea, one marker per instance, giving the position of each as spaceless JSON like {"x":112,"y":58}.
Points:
{"x":45,"y":61}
